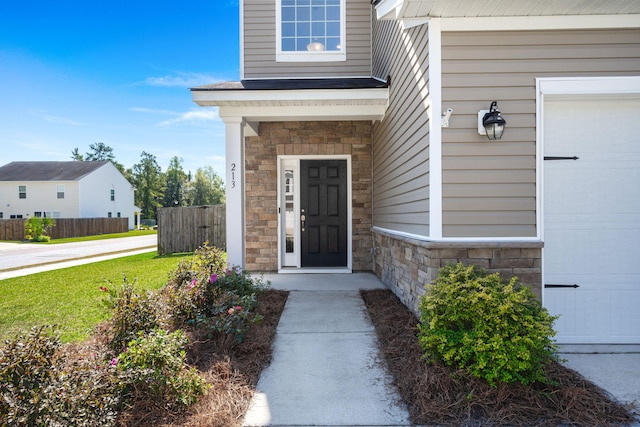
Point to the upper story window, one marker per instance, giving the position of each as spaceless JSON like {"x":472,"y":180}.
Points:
{"x":310,"y":30}
{"x":113,"y":195}
{"x":22,"y":191}
{"x":60,"y":191}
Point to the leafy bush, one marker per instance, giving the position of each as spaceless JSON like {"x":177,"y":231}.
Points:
{"x":497,"y":331}
{"x":36,"y":229}
{"x":203,"y":293}
{"x":206,"y":261}
{"x":131,"y":313}
{"x":221,"y":305}
{"x":39,"y":388}
{"x":154,"y":366}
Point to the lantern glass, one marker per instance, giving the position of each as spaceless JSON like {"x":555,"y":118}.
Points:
{"x":493,"y":122}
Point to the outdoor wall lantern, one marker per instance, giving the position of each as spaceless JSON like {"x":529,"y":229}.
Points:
{"x":490,"y":122}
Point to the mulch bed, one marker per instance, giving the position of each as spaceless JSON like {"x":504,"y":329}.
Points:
{"x":232,"y":370}
{"x":440,"y":396}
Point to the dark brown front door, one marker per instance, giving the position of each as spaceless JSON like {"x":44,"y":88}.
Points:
{"x":323,"y":213}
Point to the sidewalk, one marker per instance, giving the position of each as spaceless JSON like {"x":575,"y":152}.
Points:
{"x":326,"y":368}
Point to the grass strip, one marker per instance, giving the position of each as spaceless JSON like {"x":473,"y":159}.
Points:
{"x":71,"y":297}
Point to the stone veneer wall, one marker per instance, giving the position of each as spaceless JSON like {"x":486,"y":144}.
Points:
{"x":303,"y":138}
{"x":406,"y":265}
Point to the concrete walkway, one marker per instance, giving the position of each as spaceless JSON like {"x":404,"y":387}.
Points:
{"x":326,"y":369}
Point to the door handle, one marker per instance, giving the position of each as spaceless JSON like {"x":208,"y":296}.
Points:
{"x":302,"y":220}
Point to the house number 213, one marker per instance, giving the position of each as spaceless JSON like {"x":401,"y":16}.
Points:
{"x":233,"y":175}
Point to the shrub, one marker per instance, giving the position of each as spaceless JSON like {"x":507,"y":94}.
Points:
{"x":36,"y":229}
{"x":131,"y":313}
{"x":497,"y":331}
{"x":154,"y":366}
{"x":202,"y":294}
{"x":39,"y":388}
{"x":206,"y":261}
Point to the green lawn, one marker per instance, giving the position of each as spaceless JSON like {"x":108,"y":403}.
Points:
{"x":71,"y":297}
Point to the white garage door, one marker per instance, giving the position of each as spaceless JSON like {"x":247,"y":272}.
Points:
{"x":592,"y":217}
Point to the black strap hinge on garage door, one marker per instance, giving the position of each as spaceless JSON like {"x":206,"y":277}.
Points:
{"x":560,"y":158}
{"x":550,"y":285}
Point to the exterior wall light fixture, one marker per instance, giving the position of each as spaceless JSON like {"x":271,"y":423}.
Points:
{"x":490,"y":122}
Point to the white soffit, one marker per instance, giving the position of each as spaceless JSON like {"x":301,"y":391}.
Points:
{"x":404,"y":9}
{"x":276,"y":105}
{"x":465,"y":15}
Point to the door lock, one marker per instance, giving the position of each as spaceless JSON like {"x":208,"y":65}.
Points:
{"x":302,"y":219}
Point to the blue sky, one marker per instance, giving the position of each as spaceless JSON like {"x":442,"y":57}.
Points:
{"x":73,"y":73}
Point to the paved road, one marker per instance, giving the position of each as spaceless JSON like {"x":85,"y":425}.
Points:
{"x":18,"y":259}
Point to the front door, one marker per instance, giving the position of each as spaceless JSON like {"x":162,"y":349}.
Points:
{"x":323,"y":213}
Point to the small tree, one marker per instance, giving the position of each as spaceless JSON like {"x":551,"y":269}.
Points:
{"x":37,"y":229}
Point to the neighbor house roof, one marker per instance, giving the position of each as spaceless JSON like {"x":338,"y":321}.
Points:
{"x":48,"y":171}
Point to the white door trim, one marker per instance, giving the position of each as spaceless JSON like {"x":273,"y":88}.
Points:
{"x":281,"y":242}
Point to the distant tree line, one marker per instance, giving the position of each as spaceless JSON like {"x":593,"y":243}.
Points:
{"x":155,"y":188}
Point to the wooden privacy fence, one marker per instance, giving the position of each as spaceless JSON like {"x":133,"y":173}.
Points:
{"x":13,"y":229}
{"x":184,"y":229}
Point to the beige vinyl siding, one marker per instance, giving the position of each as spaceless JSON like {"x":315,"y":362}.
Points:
{"x":400,"y":140}
{"x":489,"y":188}
{"x":260,"y":45}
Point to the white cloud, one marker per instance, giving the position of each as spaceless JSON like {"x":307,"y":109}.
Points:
{"x":153,"y":111}
{"x":193,"y":117}
{"x":182,"y":80}
{"x":56,"y":119}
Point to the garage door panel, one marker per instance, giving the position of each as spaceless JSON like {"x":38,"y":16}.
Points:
{"x":574,"y":319}
{"x":562,"y":254}
{"x":626,"y":301}
{"x":592,"y":218}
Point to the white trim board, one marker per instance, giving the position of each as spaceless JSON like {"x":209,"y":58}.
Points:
{"x":520,"y":23}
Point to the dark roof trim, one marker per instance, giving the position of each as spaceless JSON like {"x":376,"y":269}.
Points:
{"x":296,"y":84}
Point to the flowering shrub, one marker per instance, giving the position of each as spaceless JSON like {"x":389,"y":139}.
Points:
{"x":206,"y":261}
{"x":216,"y":300}
{"x":131,"y":314}
{"x":497,"y":331}
{"x":39,"y":387}
{"x":154,"y":366}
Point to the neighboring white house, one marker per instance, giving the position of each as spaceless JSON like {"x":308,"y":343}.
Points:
{"x":65,"y":190}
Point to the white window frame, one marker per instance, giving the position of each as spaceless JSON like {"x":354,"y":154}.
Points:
{"x":320,"y":56}
{"x":60,"y":191}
